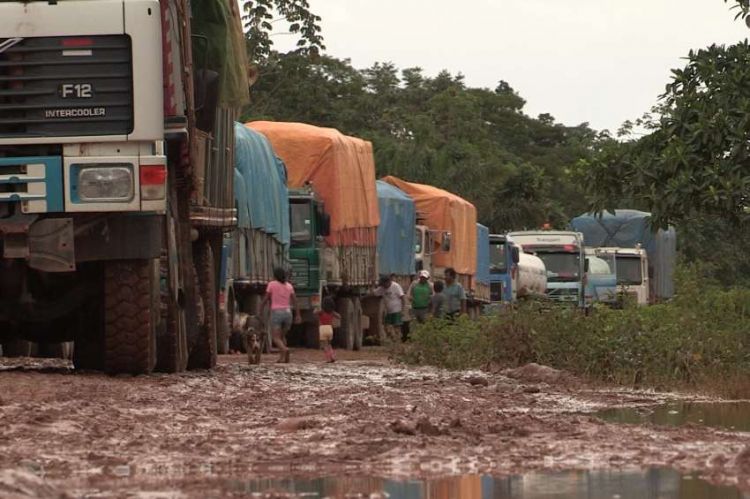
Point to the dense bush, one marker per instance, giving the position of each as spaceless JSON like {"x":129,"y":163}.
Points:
{"x":700,"y":339}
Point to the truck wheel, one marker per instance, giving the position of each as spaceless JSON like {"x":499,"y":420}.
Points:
{"x":312,"y":334}
{"x":358,"y":334}
{"x":17,"y":348}
{"x":348,"y":324}
{"x":203,"y":355}
{"x":131,"y":315}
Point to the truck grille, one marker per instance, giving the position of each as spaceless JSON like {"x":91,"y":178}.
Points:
{"x":496,"y":291}
{"x":66,"y":86}
{"x":300,"y":273}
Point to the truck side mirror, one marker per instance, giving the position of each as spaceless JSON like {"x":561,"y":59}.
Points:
{"x":515,"y":254}
{"x":586,"y":265}
{"x":446,"y":246}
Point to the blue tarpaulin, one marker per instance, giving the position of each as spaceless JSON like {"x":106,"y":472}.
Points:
{"x":260,"y":185}
{"x":396,"y":232}
{"x":483,"y":254}
{"x":625,"y":229}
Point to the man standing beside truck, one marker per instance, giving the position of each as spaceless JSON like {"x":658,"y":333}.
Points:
{"x":455,"y":296}
{"x":393,"y":295}
{"x":420,"y":294}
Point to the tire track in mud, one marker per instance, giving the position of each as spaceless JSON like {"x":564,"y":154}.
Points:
{"x":193,"y":433}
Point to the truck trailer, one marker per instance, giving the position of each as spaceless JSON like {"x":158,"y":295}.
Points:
{"x":116,"y":155}
{"x":447,"y":237}
{"x":632,"y":229}
{"x":261,"y":240}
{"x":334,"y":219}
{"x":564,"y":260}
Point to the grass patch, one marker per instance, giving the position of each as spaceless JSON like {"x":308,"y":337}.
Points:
{"x":700,"y":340}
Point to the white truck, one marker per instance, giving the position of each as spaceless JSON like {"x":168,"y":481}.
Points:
{"x":116,"y":176}
{"x":632,"y":273}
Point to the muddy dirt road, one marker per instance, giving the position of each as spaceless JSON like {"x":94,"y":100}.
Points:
{"x":196,"y":434}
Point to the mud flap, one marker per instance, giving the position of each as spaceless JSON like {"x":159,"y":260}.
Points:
{"x":51,"y":245}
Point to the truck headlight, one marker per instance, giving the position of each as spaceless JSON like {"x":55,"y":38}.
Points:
{"x":111,"y":183}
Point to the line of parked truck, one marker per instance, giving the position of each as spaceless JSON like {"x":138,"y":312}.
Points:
{"x":138,"y":219}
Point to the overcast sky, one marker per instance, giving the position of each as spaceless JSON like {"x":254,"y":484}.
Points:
{"x":600,"y":61}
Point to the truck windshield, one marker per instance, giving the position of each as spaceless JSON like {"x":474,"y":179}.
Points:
{"x":629,"y":270}
{"x":561,"y":267}
{"x":301,"y":224}
{"x":498,"y":264}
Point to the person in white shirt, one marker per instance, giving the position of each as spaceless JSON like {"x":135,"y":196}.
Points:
{"x":394,"y":297}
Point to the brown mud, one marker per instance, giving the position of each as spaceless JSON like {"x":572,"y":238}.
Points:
{"x":65,"y":434}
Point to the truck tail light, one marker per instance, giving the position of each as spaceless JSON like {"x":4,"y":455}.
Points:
{"x":153,"y":182}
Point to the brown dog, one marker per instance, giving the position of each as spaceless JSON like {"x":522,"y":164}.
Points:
{"x":251,"y":329}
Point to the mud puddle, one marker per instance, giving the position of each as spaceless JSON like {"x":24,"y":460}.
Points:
{"x":734,"y":416}
{"x":656,"y":483}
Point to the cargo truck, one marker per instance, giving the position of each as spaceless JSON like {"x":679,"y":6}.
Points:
{"x":396,"y":250}
{"x":261,"y":240}
{"x":514,"y":274}
{"x":116,"y":155}
{"x":447,"y":237}
{"x":564,"y":260}
{"x":334,"y":217}
{"x":632,"y":229}
{"x":631,"y":266}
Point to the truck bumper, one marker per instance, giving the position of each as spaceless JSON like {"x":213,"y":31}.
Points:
{"x":56,"y":244}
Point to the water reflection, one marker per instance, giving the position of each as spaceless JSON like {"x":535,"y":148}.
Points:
{"x":635,"y":484}
{"x":729,"y":415}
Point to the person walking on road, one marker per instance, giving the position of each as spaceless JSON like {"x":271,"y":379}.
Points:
{"x":393,"y":295}
{"x":455,"y":296}
{"x":420,"y":293}
{"x":280,"y":294}
{"x":326,"y":316}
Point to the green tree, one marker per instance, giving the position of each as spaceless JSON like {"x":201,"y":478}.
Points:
{"x":260,"y":16}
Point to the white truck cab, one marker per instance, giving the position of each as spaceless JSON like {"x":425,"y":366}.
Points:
{"x":632,"y":272}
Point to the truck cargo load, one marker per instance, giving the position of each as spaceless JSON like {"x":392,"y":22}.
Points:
{"x":334,"y":217}
{"x":628,"y":229}
{"x":263,"y":207}
{"x":341,"y":170}
{"x":396,"y":236}
{"x":446,"y":213}
{"x":261,"y":240}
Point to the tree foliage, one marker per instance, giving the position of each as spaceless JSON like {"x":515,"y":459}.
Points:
{"x":696,"y":162}
{"x":519,"y":171}
{"x":260,"y":16}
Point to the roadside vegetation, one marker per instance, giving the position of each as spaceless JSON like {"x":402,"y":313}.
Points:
{"x":698,"y":341}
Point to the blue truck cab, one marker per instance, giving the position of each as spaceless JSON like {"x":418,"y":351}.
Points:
{"x":504,"y":256}
{"x":601,"y":277}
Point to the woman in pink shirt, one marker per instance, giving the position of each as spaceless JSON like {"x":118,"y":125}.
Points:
{"x":280,"y":294}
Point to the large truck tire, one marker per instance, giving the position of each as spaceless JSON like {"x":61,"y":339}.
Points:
{"x":16,"y":348}
{"x":131,"y":315}
{"x":203,"y":354}
{"x":358,"y":333}
{"x":345,"y":308}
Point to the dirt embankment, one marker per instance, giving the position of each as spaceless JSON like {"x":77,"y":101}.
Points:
{"x":193,"y":434}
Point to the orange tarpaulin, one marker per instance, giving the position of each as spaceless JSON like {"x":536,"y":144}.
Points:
{"x":341,"y":170}
{"x":444,"y":211}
